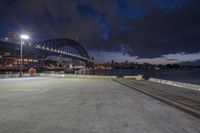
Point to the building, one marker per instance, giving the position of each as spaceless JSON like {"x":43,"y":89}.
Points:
{"x":12,"y":37}
{"x":10,"y":62}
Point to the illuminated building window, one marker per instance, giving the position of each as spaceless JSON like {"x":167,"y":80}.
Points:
{"x":7,"y":53}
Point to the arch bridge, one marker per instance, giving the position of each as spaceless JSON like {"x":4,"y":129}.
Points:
{"x":55,"y":47}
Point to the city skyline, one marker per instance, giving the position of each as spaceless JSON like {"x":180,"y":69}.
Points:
{"x":156,"y":31}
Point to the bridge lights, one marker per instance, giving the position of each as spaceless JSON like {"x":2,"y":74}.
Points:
{"x":22,"y":37}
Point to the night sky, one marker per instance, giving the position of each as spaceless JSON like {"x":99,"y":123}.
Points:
{"x":155,"y":31}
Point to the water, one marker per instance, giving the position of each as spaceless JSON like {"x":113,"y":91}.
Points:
{"x":187,"y":76}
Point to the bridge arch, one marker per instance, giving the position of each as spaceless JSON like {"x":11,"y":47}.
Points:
{"x":54,"y":47}
{"x":62,"y":43}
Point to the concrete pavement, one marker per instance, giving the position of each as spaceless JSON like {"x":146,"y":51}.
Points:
{"x":184,"y":99}
{"x":65,"y":105}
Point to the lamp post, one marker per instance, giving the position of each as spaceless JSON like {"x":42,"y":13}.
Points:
{"x":22,"y":37}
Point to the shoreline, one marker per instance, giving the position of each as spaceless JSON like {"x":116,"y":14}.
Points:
{"x":136,"y":77}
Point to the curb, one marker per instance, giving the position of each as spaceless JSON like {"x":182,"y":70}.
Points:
{"x":77,"y":76}
{"x":64,"y":76}
{"x":177,"y":84}
{"x":181,"y":107}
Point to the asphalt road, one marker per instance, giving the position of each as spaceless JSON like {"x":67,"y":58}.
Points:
{"x":63,"y":105}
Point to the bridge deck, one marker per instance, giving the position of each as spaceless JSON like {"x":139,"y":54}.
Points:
{"x":50,"y":105}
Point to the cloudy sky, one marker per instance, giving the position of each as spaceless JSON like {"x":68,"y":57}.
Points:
{"x":156,"y":31}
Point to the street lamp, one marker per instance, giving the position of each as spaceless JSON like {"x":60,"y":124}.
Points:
{"x":22,"y":37}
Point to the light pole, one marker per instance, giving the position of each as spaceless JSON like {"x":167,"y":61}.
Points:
{"x":22,"y":37}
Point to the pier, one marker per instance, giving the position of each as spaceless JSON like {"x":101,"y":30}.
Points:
{"x":98,"y":105}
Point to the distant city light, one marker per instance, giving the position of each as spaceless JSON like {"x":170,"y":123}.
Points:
{"x":25,"y":37}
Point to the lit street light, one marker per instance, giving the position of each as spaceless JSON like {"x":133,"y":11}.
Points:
{"x":22,"y":37}
{"x":25,"y":37}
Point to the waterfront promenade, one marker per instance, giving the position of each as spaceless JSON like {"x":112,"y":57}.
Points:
{"x":90,"y":105}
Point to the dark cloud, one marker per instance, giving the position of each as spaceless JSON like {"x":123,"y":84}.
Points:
{"x":143,"y":28}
